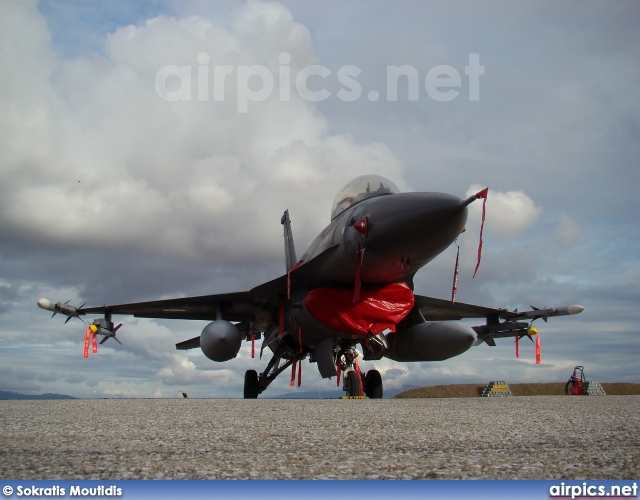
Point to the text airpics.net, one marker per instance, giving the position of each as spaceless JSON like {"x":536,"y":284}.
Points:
{"x":257,"y":83}
{"x":589,"y":490}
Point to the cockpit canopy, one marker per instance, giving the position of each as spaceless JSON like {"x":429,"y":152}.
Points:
{"x":361,"y":188}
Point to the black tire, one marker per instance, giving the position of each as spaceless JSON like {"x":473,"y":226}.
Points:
{"x":354,"y":384}
{"x":373,"y":384}
{"x":251,"y":385}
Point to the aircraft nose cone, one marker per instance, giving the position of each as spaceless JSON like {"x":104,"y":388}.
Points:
{"x":419,"y":225}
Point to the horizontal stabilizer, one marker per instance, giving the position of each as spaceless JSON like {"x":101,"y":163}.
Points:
{"x":188,"y":344}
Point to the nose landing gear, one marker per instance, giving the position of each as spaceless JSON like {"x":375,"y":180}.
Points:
{"x":355,"y":383}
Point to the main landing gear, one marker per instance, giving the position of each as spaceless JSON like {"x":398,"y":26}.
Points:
{"x":354,"y":382}
{"x":285,"y":353}
{"x":251,"y":384}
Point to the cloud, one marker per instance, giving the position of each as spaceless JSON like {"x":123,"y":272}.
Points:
{"x":394,"y":373}
{"x":568,"y":231}
{"x":512,"y":212}
{"x":19,"y":379}
{"x":76,"y":378}
{"x":96,"y":159}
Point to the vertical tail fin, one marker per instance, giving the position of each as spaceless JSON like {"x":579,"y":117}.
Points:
{"x":289,"y":248}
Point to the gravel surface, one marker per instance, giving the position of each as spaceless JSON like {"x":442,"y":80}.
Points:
{"x":544,"y":437}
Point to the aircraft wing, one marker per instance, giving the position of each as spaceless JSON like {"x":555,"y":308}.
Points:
{"x":256,"y":310}
{"x":237,"y":306}
{"x":444,"y":310}
{"x":433,"y":309}
{"x":262,"y":301}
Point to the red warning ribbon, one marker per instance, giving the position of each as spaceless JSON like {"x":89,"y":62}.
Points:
{"x":87,"y":335}
{"x":338,"y":372}
{"x":253,"y":343}
{"x":517,"y":350}
{"x":482,"y":194}
{"x":299,"y":373}
{"x":300,"y":338}
{"x":454,"y":290}
{"x":356,"y":286}
{"x":538,"y":349}
{"x":356,"y":365}
{"x":293,"y":373}
{"x":95,"y":343}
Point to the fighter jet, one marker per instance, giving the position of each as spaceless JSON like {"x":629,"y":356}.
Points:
{"x":352,"y":287}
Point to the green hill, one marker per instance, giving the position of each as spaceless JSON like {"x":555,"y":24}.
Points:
{"x":533,"y":389}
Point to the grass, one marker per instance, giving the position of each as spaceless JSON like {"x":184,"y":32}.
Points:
{"x":534,"y":389}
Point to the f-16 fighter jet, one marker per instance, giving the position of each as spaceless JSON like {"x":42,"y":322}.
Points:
{"x":353,"y":286}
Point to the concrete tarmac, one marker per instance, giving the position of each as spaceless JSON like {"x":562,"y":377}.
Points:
{"x":543,"y":437}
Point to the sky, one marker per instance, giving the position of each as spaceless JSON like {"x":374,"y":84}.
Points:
{"x":148,"y":150}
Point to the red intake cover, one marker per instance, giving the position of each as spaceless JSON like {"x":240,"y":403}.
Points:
{"x":379,"y":308}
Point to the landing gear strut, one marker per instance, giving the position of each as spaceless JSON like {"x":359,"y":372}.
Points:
{"x":255,"y":384}
{"x":355,"y":384}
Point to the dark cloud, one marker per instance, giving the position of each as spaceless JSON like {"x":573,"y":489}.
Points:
{"x":76,"y":378}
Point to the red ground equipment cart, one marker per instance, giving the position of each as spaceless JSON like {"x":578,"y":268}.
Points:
{"x":575,"y":384}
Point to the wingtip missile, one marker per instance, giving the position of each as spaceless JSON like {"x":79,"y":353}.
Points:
{"x":59,"y":308}
{"x":546,"y":312}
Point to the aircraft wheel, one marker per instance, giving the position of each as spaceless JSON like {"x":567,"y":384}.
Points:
{"x":373,"y":383}
{"x":251,"y":385}
{"x":354,"y":384}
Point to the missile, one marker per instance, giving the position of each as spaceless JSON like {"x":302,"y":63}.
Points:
{"x":65,"y":309}
{"x":105,"y":328}
{"x":546,"y":313}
